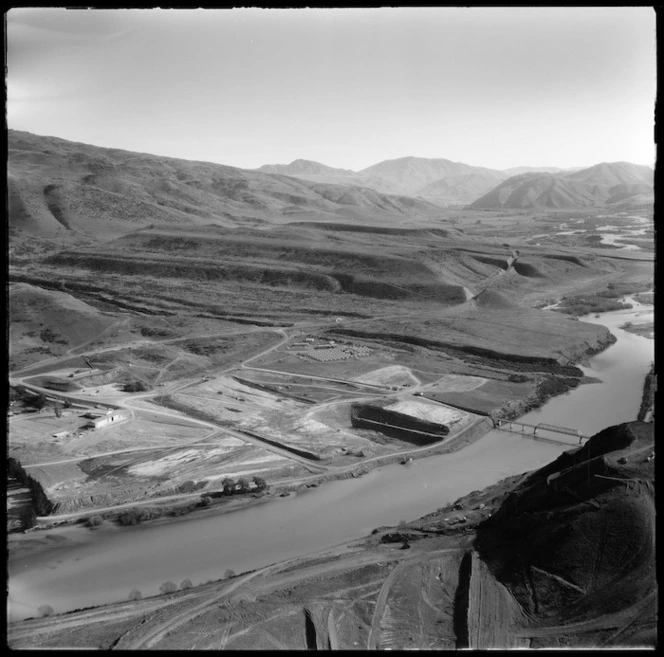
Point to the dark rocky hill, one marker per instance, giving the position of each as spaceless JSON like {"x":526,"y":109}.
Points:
{"x":575,"y":542}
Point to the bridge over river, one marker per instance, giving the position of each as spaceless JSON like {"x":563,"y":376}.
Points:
{"x":532,"y":429}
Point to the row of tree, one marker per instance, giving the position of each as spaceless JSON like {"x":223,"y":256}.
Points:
{"x":171,"y":587}
{"x":40,"y":504}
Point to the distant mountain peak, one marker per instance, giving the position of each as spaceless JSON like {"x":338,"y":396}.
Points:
{"x":602,"y":184}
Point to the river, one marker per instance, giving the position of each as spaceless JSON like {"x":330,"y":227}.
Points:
{"x":86,"y":568}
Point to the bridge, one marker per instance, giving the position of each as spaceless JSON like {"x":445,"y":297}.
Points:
{"x":532,"y":429}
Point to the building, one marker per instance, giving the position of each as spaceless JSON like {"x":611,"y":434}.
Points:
{"x":102,"y":421}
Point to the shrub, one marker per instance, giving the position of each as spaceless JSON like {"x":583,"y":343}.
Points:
{"x":135,"y":595}
{"x":94,"y":521}
{"x":45,"y":610}
{"x":187,"y":487}
{"x":243,"y":484}
{"x":134,"y":386}
{"x":229,"y":573}
{"x":260,"y":483}
{"x":186,"y":584}
{"x":168,"y":587}
{"x":136,"y":515}
{"x":48,"y":336}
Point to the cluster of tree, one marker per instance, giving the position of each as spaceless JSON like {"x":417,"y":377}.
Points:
{"x":52,"y":336}
{"x":135,"y":516}
{"x":94,"y":521}
{"x":135,"y":386}
{"x":230,"y":487}
{"x":41,"y":505}
{"x":190,"y":486}
{"x":23,"y":394}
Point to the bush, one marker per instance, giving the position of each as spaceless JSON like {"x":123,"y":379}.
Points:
{"x":136,"y":516}
{"x":40,"y":401}
{"x":186,"y":584}
{"x":229,"y":573}
{"x":229,"y":485}
{"x":135,"y":595}
{"x":94,"y":521}
{"x":45,"y":610}
{"x":168,"y":587}
{"x":134,"y":386}
{"x":187,"y":487}
{"x":261,"y":484}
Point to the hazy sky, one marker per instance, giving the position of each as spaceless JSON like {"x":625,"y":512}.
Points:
{"x":490,"y":87}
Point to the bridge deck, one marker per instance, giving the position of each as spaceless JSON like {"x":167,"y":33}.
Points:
{"x":553,"y":427}
{"x":532,"y":429}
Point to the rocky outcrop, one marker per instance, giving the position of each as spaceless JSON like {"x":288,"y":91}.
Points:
{"x":575,"y":541}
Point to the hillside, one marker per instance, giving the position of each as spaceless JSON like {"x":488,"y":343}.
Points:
{"x":605,"y":184}
{"x":58,"y":189}
{"x":459,"y":189}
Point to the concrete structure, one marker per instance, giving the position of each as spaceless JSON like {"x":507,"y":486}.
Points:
{"x":79,"y":374}
{"x":397,"y":424}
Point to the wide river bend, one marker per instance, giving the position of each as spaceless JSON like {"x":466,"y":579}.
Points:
{"x":86,"y":568}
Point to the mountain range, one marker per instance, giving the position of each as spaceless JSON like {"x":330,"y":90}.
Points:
{"x":58,"y":187}
{"x":449,"y":183}
{"x":438,"y":180}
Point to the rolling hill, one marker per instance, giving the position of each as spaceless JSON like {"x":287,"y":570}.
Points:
{"x":606,"y":184}
{"x":59,"y":189}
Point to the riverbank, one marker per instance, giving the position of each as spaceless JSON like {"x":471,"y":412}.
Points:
{"x":221,"y":506}
{"x":647,"y":409}
{"x":417,"y":566}
{"x":547,"y":384}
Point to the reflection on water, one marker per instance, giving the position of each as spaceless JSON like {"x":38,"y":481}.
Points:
{"x":105,"y":565}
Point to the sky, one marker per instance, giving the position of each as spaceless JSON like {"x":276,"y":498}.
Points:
{"x":493,"y":87}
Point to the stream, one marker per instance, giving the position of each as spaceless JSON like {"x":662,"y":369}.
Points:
{"x":86,"y":567}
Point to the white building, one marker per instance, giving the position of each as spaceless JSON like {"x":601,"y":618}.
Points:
{"x":112,"y":417}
